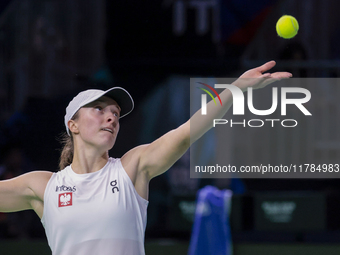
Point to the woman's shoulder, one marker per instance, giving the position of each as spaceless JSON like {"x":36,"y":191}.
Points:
{"x":38,"y":178}
{"x":38,"y":175}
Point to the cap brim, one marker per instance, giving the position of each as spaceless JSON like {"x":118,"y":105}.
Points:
{"x":122,"y":97}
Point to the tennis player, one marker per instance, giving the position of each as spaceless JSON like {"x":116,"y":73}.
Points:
{"x":97,"y":204}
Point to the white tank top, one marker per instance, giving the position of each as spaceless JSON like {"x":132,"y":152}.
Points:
{"x":95,"y":213}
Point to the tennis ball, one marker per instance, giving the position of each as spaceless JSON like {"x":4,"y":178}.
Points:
{"x":287,"y":27}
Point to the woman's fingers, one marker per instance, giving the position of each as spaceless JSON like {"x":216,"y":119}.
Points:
{"x":281,"y":75}
{"x":265,"y":75}
{"x":258,"y":78}
{"x":267,"y":66}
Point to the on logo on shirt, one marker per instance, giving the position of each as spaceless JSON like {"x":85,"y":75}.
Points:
{"x":114,"y":185}
{"x":65,"y":199}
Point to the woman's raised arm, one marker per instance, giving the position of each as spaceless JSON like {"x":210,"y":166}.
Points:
{"x":158,"y":156}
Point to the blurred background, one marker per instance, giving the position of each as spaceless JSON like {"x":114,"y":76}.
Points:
{"x":52,"y":49}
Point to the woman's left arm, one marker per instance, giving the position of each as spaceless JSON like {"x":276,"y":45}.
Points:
{"x":157,"y":157}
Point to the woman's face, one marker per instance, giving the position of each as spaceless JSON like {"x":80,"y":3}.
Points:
{"x":98,"y":123}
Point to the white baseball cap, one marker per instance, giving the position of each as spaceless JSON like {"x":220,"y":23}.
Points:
{"x":120,"y":95}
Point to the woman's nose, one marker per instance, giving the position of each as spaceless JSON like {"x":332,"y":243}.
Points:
{"x":111,"y":118}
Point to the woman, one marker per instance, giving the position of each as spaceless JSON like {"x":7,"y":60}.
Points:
{"x":97,"y":204}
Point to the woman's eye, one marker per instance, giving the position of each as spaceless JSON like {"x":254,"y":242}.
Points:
{"x":99,"y":108}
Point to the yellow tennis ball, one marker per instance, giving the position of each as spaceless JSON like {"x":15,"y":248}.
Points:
{"x":287,"y":27}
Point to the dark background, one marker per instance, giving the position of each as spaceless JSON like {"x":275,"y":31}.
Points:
{"x":51,"y":50}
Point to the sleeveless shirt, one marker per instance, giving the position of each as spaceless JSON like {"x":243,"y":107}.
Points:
{"x":94,"y":213}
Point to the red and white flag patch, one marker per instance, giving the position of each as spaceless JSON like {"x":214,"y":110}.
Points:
{"x":65,"y":199}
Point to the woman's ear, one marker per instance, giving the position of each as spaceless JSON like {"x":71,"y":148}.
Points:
{"x":73,"y":127}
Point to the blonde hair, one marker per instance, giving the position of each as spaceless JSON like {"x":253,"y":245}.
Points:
{"x":66,"y":156}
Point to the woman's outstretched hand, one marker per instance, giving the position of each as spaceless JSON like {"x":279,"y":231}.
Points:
{"x":257,"y":78}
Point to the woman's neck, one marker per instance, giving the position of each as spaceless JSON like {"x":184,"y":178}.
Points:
{"x":87,"y":162}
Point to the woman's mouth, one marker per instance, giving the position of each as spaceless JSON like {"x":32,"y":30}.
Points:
{"x":108,"y":129}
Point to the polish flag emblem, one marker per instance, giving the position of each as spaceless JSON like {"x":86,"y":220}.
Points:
{"x":65,"y":199}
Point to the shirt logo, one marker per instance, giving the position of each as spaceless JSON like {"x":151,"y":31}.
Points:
{"x":114,"y":185}
{"x":65,"y":188}
{"x":65,"y":199}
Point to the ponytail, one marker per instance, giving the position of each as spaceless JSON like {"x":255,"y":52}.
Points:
{"x":66,"y":156}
